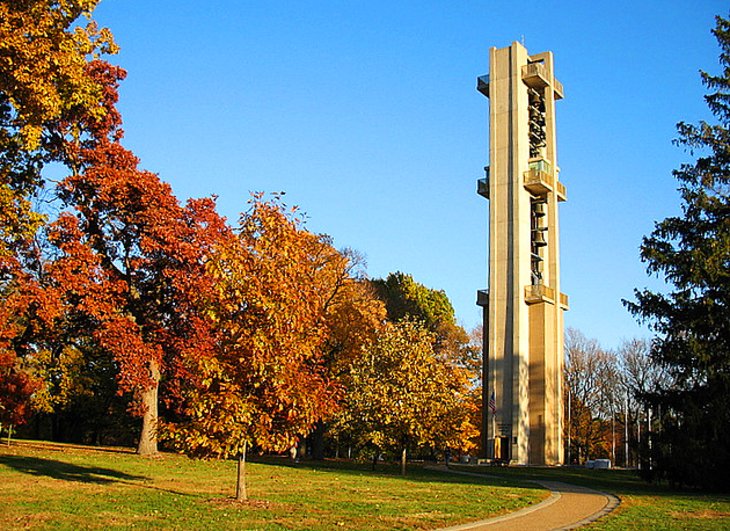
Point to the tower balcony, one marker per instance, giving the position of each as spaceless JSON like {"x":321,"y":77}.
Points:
{"x":535,"y":75}
{"x":483,"y":298}
{"x":483,"y":84}
{"x":561,"y":191}
{"x":483,"y":184}
{"x":539,"y":178}
{"x":535,"y":293}
{"x":483,"y":187}
{"x":564,"y":302}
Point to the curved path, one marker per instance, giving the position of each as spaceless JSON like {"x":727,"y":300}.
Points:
{"x":568,"y":507}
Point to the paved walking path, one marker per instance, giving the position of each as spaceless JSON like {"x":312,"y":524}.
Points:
{"x":568,"y":507}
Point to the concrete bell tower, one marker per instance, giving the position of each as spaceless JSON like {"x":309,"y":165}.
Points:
{"x":523,"y":307}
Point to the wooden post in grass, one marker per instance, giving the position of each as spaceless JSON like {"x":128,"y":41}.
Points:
{"x":241,"y":494}
{"x":403,"y":462}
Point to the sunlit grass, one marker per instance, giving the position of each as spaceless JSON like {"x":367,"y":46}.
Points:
{"x":69,"y":487}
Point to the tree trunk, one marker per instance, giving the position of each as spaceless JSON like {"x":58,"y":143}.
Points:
{"x":638,"y":438}
{"x":626,"y":433}
{"x":241,"y":494}
{"x":317,"y":440}
{"x":403,"y":461}
{"x":55,"y":428}
{"x":148,"y":438}
{"x":613,"y":440}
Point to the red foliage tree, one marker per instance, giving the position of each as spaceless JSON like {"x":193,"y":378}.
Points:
{"x":17,"y":385}
{"x":132,"y":258}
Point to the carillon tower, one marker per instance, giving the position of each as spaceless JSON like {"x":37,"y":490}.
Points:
{"x":523,"y":307}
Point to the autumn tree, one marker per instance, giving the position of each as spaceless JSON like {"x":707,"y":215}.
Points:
{"x":261,"y":383}
{"x":44,"y":79}
{"x":353,"y":317}
{"x":130,"y":269}
{"x":354,"y":314}
{"x":590,"y":383}
{"x":43,"y":59}
{"x":401,"y":395}
{"x":16,"y":388}
{"x":131,"y":258}
{"x":691,"y":252}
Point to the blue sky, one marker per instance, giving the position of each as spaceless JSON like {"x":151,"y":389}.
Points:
{"x":365,"y":113}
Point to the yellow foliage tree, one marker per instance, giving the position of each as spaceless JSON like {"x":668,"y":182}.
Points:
{"x":43,"y":59}
{"x":44,"y":78}
{"x":401,"y":394}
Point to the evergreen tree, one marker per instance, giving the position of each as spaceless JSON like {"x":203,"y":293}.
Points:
{"x":692,"y":319}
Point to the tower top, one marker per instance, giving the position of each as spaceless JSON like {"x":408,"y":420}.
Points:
{"x":537,"y":69}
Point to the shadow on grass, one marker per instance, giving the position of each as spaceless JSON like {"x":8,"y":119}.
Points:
{"x":62,"y":447}
{"x":617,"y":481}
{"x":52,"y":468}
{"x":414,"y":472}
{"x":36,"y":466}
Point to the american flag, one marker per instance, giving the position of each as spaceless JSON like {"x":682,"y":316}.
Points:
{"x":492,"y":403}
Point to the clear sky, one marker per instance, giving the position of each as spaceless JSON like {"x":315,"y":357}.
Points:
{"x":366,"y":114}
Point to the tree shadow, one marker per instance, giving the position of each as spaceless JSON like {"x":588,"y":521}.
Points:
{"x":414,"y":472}
{"x":51,"y":468}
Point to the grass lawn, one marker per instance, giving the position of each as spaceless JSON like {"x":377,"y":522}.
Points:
{"x":643,"y":506}
{"x":46,"y":485}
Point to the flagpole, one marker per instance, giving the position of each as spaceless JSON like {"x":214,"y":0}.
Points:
{"x":494,"y":434}
{"x":492,"y":408}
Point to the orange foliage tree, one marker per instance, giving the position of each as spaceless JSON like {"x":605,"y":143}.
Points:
{"x":262,"y":382}
{"x":353,"y":316}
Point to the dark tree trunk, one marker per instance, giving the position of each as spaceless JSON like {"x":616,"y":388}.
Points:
{"x":317,"y":440}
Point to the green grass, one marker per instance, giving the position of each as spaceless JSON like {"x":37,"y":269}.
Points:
{"x":643,"y":506}
{"x":52,"y":486}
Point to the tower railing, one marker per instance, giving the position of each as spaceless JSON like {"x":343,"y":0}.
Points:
{"x":539,"y":178}
{"x":535,"y":293}
{"x":535,"y":75}
{"x":558,"y":89}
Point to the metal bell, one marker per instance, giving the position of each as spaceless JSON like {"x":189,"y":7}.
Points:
{"x":538,"y":238}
